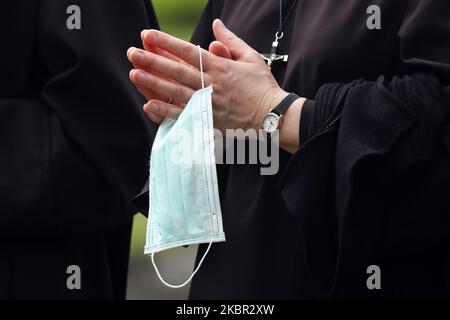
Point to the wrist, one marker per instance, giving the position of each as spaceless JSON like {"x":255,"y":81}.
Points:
{"x":270,"y":100}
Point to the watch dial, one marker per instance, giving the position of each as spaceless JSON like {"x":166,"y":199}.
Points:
{"x":270,"y":123}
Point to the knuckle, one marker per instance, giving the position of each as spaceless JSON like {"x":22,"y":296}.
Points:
{"x":221,"y":66}
{"x":186,"y":50}
{"x":172,"y":112}
{"x":178,"y":72}
{"x":153,"y":117}
{"x":161,"y":38}
{"x":152,"y":82}
{"x":217,"y":87}
{"x":163,"y":111}
{"x":255,"y":55}
{"x":179,"y":93}
{"x":147,"y":59}
{"x":232,"y":38}
{"x":251,"y":55}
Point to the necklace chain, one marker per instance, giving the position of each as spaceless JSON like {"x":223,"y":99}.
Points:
{"x":283,"y":23}
{"x":273,"y":56}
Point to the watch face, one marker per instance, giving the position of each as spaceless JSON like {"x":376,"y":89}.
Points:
{"x":270,"y":123}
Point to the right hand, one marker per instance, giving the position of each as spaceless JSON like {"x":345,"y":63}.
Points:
{"x":216,"y":47}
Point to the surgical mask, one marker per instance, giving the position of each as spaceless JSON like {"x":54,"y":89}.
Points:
{"x":184,"y":196}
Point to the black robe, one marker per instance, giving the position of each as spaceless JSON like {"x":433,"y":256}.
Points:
{"x":74,"y":145}
{"x":372,"y":187}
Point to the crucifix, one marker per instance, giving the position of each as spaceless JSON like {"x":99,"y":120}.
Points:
{"x":273,"y":56}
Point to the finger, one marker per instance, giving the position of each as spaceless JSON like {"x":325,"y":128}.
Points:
{"x":152,"y":95}
{"x":147,"y":46}
{"x":179,"y":48}
{"x":131,"y":55}
{"x":160,"y":51}
{"x":174,"y":70}
{"x":142,"y":67}
{"x":147,"y":93}
{"x":154,"y":117}
{"x":170,"y":56}
{"x":239,"y":49}
{"x":163,"y":109}
{"x":219,"y":49}
{"x":178,"y":92}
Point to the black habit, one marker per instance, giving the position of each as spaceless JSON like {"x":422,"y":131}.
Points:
{"x":370,"y":189}
{"x":74,"y":145}
{"x":371,"y":182}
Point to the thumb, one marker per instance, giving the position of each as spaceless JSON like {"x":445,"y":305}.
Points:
{"x":219,"y":49}
{"x":239,"y":49}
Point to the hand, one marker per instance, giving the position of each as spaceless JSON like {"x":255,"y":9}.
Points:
{"x":244,"y":88}
{"x":155,"y":99}
{"x":149,"y":93}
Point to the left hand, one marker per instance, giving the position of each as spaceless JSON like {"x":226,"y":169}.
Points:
{"x":245,"y":90}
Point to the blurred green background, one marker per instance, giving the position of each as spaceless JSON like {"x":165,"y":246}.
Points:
{"x":179,"y":18}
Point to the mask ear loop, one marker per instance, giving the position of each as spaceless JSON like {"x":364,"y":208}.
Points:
{"x":201,"y":66}
{"x":177,"y":286}
{"x":210,"y":243}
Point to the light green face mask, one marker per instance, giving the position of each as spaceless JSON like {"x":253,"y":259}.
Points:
{"x":184,"y":197}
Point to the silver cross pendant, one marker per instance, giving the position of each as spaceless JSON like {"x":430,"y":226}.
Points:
{"x":273,"y":56}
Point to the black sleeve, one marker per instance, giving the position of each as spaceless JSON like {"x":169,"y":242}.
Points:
{"x":305,"y":119}
{"x":371,"y":178}
{"x":77,"y":141}
{"x":423,"y":47}
{"x":375,"y":183}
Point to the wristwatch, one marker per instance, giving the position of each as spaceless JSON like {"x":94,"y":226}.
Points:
{"x":272,"y":122}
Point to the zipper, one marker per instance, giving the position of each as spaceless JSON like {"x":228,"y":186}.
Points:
{"x":327,"y":127}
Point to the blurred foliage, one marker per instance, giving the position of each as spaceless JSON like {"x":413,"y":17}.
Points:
{"x":179,"y":18}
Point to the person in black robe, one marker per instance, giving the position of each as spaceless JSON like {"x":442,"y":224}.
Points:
{"x":74,"y":143}
{"x":367,"y":182}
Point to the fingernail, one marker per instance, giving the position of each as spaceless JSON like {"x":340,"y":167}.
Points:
{"x":143,"y":34}
{"x":140,"y":76}
{"x":151,"y":36}
{"x":129,"y":51}
{"x":138,"y":56}
{"x":154,"y":106}
{"x":220,"y":23}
